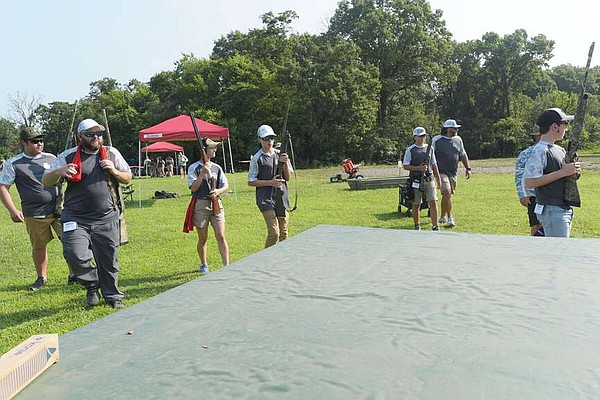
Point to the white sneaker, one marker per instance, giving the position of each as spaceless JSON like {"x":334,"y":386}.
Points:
{"x":443,"y":220}
{"x":450,"y":222}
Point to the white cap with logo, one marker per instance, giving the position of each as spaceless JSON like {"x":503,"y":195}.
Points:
{"x":264,"y":131}
{"x":88,"y":124}
{"x":419,"y":131}
{"x":450,"y":123}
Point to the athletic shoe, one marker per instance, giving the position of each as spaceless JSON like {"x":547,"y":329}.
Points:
{"x":92,"y":297}
{"x":417,"y":228}
{"x":39,"y":282}
{"x":71,"y":280}
{"x":443,"y":220}
{"x":116,"y":303}
{"x":204,"y":269}
{"x":450,"y":222}
{"x":435,"y":228}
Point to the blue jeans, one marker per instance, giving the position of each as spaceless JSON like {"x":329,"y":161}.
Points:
{"x":556,"y":221}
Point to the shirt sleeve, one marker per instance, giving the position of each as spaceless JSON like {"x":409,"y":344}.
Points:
{"x":407,"y":156}
{"x":535,"y":164}
{"x":253,"y":171}
{"x":119,"y":161}
{"x":223,"y":179}
{"x":8,"y":174}
{"x":193,"y":173}
{"x":461,"y":150}
{"x":519,"y":170}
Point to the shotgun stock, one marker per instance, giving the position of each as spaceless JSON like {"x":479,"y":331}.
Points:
{"x":572,"y":197}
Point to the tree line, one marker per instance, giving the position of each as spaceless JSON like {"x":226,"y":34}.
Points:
{"x":355,"y":91}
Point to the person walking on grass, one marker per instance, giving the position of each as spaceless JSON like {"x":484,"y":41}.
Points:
{"x":449,"y":149}
{"x":527,"y":196}
{"x":546,"y":170}
{"x":38,"y":202}
{"x":182,"y":160}
{"x":90,"y":217}
{"x":422,"y":172}
{"x":263,"y":176}
{"x":201,"y":210}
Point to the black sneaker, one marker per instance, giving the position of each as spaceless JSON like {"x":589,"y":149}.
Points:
{"x":116,"y":303}
{"x":92,"y":297}
{"x":435,"y":228}
{"x":71,"y":280}
{"x":39,"y":282}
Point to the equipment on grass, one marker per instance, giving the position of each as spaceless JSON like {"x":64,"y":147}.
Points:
{"x":25,"y":362}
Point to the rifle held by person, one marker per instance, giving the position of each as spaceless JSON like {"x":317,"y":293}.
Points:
{"x":70,"y":135}
{"x":282,"y":202}
{"x":116,"y":192}
{"x":426,"y":176}
{"x":572,"y":197}
{"x":212,"y":180}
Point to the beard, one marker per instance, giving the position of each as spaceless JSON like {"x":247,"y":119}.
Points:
{"x":91,"y":144}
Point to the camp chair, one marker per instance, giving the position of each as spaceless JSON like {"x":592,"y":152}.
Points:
{"x":127,"y":191}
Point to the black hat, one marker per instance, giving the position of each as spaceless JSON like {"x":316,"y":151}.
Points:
{"x":552,"y":116}
{"x":28,"y":133}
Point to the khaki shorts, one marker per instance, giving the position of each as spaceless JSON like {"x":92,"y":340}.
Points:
{"x":203,"y":214}
{"x":40,"y":230}
{"x":430,"y":195}
{"x":448,"y":183}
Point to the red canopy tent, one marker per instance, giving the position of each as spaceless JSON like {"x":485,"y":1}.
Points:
{"x":158,"y":147}
{"x":181,"y":129}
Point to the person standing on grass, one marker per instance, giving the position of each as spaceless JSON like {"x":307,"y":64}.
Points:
{"x":200,"y":210}
{"x":90,"y":217}
{"x":546,"y":170}
{"x":38,"y":202}
{"x":425,"y":172}
{"x":263,"y":176}
{"x":449,"y":149}
{"x":182,"y":160}
{"x":527,"y":196}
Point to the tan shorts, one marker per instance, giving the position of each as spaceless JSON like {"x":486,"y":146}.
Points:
{"x":203,"y":214}
{"x":40,"y":230}
{"x":448,"y":183}
{"x":430,"y":195}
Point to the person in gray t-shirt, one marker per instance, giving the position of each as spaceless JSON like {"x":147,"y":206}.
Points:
{"x":38,"y":202}
{"x":90,"y":217}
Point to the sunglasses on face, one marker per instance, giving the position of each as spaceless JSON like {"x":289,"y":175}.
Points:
{"x":36,"y":141}
{"x":268,"y":138}
{"x":93,"y":134}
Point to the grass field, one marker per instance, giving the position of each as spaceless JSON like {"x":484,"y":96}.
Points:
{"x":159,"y":256}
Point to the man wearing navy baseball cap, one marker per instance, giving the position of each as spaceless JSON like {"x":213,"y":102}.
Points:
{"x":546,"y":169}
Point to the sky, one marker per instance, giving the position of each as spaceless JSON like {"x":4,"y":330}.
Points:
{"x":53,"y":50}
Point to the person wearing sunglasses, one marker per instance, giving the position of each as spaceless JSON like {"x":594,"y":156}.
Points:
{"x":546,"y":170}
{"x":263,"y":176}
{"x":90,"y":217}
{"x":38,"y":202}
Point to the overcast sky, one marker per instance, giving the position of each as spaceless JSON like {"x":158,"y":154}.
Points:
{"x":54,"y":49}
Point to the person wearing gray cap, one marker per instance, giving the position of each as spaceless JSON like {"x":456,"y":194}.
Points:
{"x":90,"y":217}
{"x":449,"y":149}
{"x":38,"y":202}
{"x":545,"y":171}
{"x":527,"y":196}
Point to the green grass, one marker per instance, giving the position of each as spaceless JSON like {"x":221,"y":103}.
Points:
{"x":159,"y":256}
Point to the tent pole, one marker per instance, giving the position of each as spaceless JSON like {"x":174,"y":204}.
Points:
{"x":139,"y":174}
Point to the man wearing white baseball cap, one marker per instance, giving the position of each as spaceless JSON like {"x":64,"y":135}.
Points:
{"x":90,"y":216}
{"x":546,"y":170}
{"x":263,"y":176}
{"x":449,"y":149}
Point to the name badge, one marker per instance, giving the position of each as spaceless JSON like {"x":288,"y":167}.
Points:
{"x":69,"y":226}
{"x":416,"y":184}
{"x":538,"y":208}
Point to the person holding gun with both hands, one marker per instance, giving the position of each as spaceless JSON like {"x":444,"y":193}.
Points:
{"x":207,"y":181}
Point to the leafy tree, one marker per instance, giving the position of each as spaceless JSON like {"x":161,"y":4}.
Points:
{"x":9,"y":139}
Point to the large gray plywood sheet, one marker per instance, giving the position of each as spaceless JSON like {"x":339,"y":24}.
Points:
{"x":356,"y":313}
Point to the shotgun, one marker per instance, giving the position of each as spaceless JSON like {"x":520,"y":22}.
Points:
{"x":571,"y":190}
{"x":212,"y":180}
{"x":282,"y":202}
{"x":426,"y":176}
{"x":70,"y":135}
{"x":116,"y":192}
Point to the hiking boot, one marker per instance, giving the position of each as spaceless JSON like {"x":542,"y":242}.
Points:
{"x":435,"y":228}
{"x":92,"y":297}
{"x":39,"y":282}
{"x":116,"y":303}
{"x":204,"y":269}
{"x":450,"y":222}
{"x":417,"y":228}
{"x":443,"y":220}
{"x":71,"y":280}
